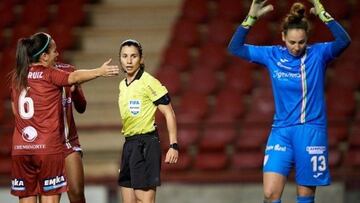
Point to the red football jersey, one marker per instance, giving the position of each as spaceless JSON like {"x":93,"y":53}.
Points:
{"x":38,"y":112}
{"x":78,"y":99}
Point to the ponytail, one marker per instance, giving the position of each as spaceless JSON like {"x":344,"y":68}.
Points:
{"x":28,"y":51}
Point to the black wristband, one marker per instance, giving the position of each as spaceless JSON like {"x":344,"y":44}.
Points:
{"x":174,"y":146}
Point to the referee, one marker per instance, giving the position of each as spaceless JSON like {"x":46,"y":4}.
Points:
{"x":140,"y":96}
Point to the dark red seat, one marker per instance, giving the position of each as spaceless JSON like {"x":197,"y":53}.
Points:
{"x":228,"y":102}
{"x":352,"y":158}
{"x":335,"y":158}
{"x":211,"y":56}
{"x":252,"y":137}
{"x":354,"y":137}
{"x":220,"y":32}
{"x":247,"y":160}
{"x":211,"y":161}
{"x":216,"y":138}
{"x":262,"y":107}
{"x":344,"y":75}
{"x":239,"y":77}
{"x":186,"y":32}
{"x":259,"y":33}
{"x":203,"y":81}
{"x":341,"y":103}
{"x":63,"y":36}
{"x":230,"y":10}
{"x":195,"y":10}
{"x":337,"y":131}
{"x":70,"y":13}
{"x":177,"y":56}
{"x":7,"y":14}
{"x":36,"y":13}
{"x":20,"y":31}
{"x":170,"y":78}
{"x":192,"y":109}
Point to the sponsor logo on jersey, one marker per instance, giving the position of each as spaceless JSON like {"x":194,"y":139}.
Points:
{"x":277,"y":147}
{"x":17,"y":184}
{"x":29,"y":134}
{"x":66,"y":101}
{"x":280,"y":75}
{"x":315,"y":149}
{"x":36,"y":146}
{"x":54,"y":183}
{"x":35,"y":75}
{"x":134,"y":107}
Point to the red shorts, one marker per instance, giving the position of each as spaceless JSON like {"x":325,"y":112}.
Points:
{"x":40,"y":174}
{"x":73,"y":146}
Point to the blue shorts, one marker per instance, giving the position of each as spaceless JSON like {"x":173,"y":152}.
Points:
{"x":302,"y":146}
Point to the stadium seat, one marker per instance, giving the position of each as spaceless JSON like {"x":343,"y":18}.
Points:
{"x":340,"y":103}
{"x":70,"y":13}
{"x":63,"y":36}
{"x":195,"y":10}
{"x":259,"y":34}
{"x":178,"y":57}
{"x":354,"y":137}
{"x":352,"y":158}
{"x":344,"y":75}
{"x":203,"y":81}
{"x":192,"y":109}
{"x":216,"y":138}
{"x":211,"y":161}
{"x":36,"y":13}
{"x":334,"y":158}
{"x":262,"y":107}
{"x":21,"y":30}
{"x":252,"y":137}
{"x":7,"y":14}
{"x":239,"y":77}
{"x":211,"y":56}
{"x":170,"y":78}
{"x":337,"y":131}
{"x":220,"y":32}
{"x":247,"y":160}
{"x":186,"y":32}
{"x":230,"y":10}
{"x":228,"y":102}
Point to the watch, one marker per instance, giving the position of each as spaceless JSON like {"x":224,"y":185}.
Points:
{"x":174,"y":146}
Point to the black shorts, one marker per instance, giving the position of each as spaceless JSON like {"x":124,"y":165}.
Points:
{"x":141,"y":162}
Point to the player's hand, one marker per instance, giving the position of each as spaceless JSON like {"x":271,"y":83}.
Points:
{"x":172,"y":156}
{"x":318,"y":7}
{"x":259,"y":8}
{"x":109,"y":70}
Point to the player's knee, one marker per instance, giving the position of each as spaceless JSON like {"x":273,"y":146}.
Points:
{"x":305,"y":199}
{"x":271,"y":196}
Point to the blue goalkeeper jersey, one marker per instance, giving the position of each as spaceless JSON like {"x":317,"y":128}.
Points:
{"x":297,"y":81}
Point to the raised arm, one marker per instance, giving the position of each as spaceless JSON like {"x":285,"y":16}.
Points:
{"x":342,"y":39}
{"x":80,"y":76}
{"x":236,"y":46}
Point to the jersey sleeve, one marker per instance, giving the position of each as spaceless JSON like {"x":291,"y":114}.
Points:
{"x":154,"y":89}
{"x":58,"y":77}
{"x":252,"y":53}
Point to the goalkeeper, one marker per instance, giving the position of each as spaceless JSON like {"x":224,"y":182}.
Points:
{"x":298,"y":138}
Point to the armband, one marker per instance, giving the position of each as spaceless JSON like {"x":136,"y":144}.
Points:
{"x":249,"y":21}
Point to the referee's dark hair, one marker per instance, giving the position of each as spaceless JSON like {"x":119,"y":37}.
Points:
{"x":132,"y":42}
